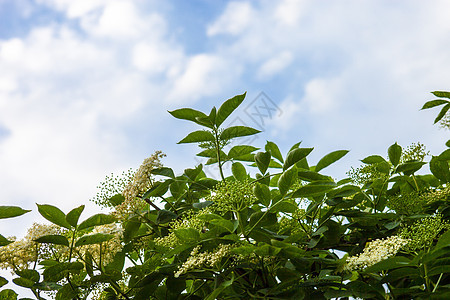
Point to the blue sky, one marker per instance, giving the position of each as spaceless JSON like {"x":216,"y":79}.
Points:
{"x":85,"y":85}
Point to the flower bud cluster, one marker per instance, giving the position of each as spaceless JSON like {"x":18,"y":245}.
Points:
{"x":375,"y":252}
{"x":205,"y":259}
{"x":233,"y":196}
{"x":423,"y":232}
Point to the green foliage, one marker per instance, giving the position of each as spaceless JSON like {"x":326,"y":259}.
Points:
{"x":276,"y":228}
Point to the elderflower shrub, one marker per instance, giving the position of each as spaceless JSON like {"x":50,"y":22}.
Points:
{"x":142,"y":181}
{"x":375,"y":252}
{"x":21,"y":253}
{"x":423,"y":232}
{"x":208,"y":259}
{"x":232,"y":196}
{"x":109,"y":248}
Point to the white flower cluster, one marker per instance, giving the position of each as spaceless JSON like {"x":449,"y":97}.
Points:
{"x":109,"y":248}
{"x":20,"y":253}
{"x":208,"y":259}
{"x":375,"y":252}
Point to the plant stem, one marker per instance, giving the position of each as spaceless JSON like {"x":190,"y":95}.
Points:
{"x":216,"y":134}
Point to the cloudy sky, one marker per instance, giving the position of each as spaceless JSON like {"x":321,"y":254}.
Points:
{"x":85,"y":85}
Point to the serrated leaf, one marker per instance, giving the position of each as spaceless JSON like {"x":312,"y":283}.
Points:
{"x":440,"y":169}
{"x":295,"y":155}
{"x":53,"y":239}
{"x":197,"y":137}
{"x":73,"y":216}
{"x":314,"y":188}
{"x":239,"y":171}
{"x":237,"y":131}
{"x":3,"y":281}
{"x":329,"y":159}
{"x":158,"y":189}
{"x":227,"y":224}
{"x":95,"y":238}
{"x":409,"y":167}
{"x":394,"y":153}
{"x":188,"y":235}
{"x":286,"y":180}
{"x":4,"y":241}
{"x":445,"y":155}
{"x":262,"y":192}
{"x":434,"y":103}
{"x":53,"y":214}
{"x":312,"y":176}
{"x":373,"y":159}
{"x":188,"y":114}
{"x":441,"y":94}
{"x":228,"y":107}
{"x":240,"y":150}
{"x":388,"y":264}
{"x":11,"y":211}
{"x":274,"y":151}
{"x":96,"y":220}
{"x":23,"y":282}
{"x":117,"y":199}
{"x":164,"y":216}
{"x":442,"y":113}
{"x":262,"y":160}
{"x":57,"y":271}
{"x":164,"y":171}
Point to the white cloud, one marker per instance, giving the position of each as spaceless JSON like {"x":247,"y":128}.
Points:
{"x":236,"y":18}
{"x":275,"y":65}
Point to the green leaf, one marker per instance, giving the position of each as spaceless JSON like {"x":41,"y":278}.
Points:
{"x":212,"y":115}
{"x":117,"y":199}
{"x":73,"y":216}
{"x":394,"y":153}
{"x":314,"y":188}
{"x":439,"y":270}
{"x":227,"y":224}
{"x":440,"y":169}
{"x":188,"y":235}
{"x":165,"y":216}
{"x":239,"y":171}
{"x":228,"y":107}
{"x":409,"y":167}
{"x":329,"y":159}
{"x":8,"y":294}
{"x":434,"y":103}
{"x":4,"y":241}
{"x":237,"y":131}
{"x":189,"y":114}
{"x":388,"y":264}
{"x":164,"y":171}
{"x":158,"y":189}
{"x":53,"y":239}
{"x":444,"y":240}
{"x":197,"y":137}
{"x":11,"y":211}
{"x":24,"y":282}
{"x":262,"y":160}
{"x":373,"y":159}
{"x":57,"y":271}
{"x":3,"y":281}
{"x":286,"y":180}
{"x":96,"y":220}
{"x":442,"y":113}
{"x":95,"y":238}
{"x":312,"y":176}
{"x":262,"y":192}
{"x":53,"y":214}
{"x":274,"y":151}
{"x":445,"y":155}
{"x":441,"y":94}
{"x":240,"y":150}
{"x":295,"y":155}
